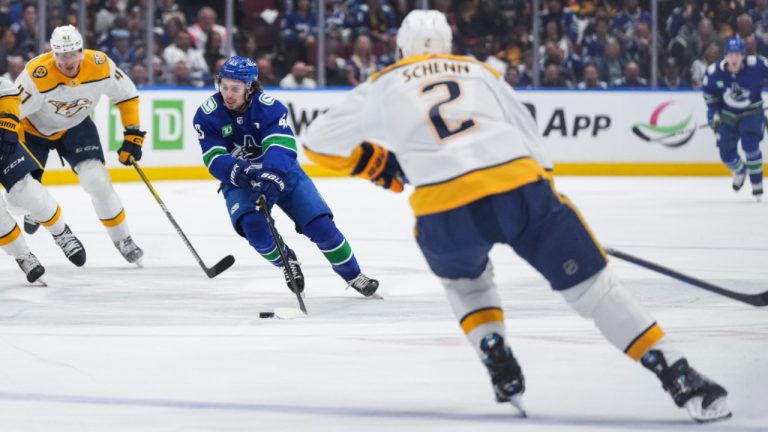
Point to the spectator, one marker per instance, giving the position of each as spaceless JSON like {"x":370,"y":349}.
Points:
{"x":469,"y":27}
{"x":593,"y":46}
{"x":104,"y":18}
{"x":591,"y":79}
{"x":205,"y":25}
{"x":759,"y":15}
{"x":631,"y":78}
{"x":376,"y":19}
{"x":218,"y":65}
{"x":182,"y":76}
{"x":122,"y":52}
{"x":684,"y":20}
{"x":213,"y":47}
{"x":266,"y":75}
{"x":335,"y":71}
{"x":611,"y":67}
{"x":640,"y":51}
{"x":26,"y":32}
{"x":362,"y":64}
{"x":563,"y":18}
{"x":704,"y":36}
{"x":7,"y":48}
{"x":570,"y":65}
{"x":553,"y":77}
{"x":626,"y":21}
{"x":15,"y":66}
{"x":671,"y":79}
{"x":167,"y":10}
{"x":139,"y":75}
{"x":699,"y":67}
{"x":298,"y":33}
{"x":181,"y":51}
{"x":745,"y":31}
{"x":512,"y":76}
{"x":300,"y":77}
{"x":526,"y":70}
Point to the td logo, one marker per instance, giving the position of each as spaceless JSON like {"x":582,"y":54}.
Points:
{"x":167,"y":125}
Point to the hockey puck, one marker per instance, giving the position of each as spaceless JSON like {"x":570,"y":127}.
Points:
{"x":266,"y":314}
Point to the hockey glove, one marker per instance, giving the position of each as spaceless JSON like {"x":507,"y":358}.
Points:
{"x":243,"y":175}
{"x":9,"y":138}
{"x":714,"y":121}
{"x":132,"y":141}
{"x":381,"y":167}
{"x":270,"y":185}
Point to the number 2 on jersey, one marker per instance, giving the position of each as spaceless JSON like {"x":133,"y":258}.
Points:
{"x":439,"y":123}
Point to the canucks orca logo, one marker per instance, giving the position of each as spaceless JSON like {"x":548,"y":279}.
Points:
{"x":736,"y":97}
{"x":250,"y":150}
{"x":667,"y":133}
{"x":70,"y":108}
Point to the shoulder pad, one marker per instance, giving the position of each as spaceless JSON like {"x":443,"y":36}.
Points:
{"x":209,"y":105}
{"x":751,"y":60}
{"x":712,"y":68}
{"x":266,"y":99}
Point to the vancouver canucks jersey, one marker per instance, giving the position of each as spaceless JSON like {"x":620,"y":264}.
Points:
{"x":730,"y":93}
{"x":261,"y":135}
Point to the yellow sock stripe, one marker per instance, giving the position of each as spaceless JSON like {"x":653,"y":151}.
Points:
{"x":479,"y":317}
{"x":644,"y":342}
{"x":11,"y":236}
{"x":115,"y":221}
{"x":566,"y":201}
{"x":55,"y":218}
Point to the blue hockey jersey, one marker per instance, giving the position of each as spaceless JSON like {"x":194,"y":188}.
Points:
{"x":733,"y":94}
{"x":261,"y":135}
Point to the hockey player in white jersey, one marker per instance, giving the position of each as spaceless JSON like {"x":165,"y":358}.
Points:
{"x":17,"y":167}
{"x":473,"y":153}
{"x":59,"y":91}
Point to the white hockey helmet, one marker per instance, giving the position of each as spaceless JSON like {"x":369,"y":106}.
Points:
{"x":66,"y":39}
{"x":424,"y":32}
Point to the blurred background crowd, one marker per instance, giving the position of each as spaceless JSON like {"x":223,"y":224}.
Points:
{"x":582,"y":44}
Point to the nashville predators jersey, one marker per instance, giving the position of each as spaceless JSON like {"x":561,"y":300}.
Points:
{"x":457,"y":129}
{"x":52,"y":103}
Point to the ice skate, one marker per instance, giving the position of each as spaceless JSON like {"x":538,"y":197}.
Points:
{"x":364,"y":285}
{"x":757,"y":191}
{"x":30,"y":266}
{"x":703,"y":398}
{"x":506,"y":376}
{"x":295,"y":268}
{"x":30,"y":225}
{"x":129,"y":250}
{"x":738,"y":180}
{"x":71,"y":246}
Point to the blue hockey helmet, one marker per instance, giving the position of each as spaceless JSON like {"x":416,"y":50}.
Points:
{"x":239,"y":68}
{"x":735,"y":44}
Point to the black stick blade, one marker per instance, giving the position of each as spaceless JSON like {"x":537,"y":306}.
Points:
{"x":220,"y":266}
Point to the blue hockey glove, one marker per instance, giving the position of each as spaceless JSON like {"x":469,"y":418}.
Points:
{"x":380,"y":166}
{"x":270,"y":184}
{"x":243,"y":175}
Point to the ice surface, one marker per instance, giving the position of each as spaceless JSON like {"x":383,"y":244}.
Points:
{"x":115,"y":348}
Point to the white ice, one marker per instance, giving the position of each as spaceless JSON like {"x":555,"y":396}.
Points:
{"x":115,"y":348}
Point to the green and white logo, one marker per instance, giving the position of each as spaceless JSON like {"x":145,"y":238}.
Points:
{"x":226,"y":130}
{"x":168,"y":124}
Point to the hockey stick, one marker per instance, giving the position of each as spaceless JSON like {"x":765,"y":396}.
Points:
{"x":261,"y":206}
{"x":760,"y":299}
{"x":217,"y":268}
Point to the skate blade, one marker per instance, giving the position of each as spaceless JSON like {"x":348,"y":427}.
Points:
{"x":139,"y":263}
{"x":40,"y":283}
{"x":287,"y":313}
{"x":517,"y":402}
{"x":717,"y":410}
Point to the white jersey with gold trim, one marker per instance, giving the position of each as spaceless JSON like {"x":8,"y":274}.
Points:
{"x":52,"y":102}
{"x":443,"y":116}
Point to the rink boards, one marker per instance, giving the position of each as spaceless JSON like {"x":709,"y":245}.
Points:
{"x":586,"y":132}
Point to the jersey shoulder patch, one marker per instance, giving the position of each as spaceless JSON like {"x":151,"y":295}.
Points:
{"x":266,"y":99}
{"x":751,"y":60}
{"x":209,"y":105}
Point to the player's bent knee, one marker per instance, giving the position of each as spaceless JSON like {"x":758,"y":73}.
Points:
{"x":94,"y":178}
{"x":320,"y":229}
{"x":585,"y":296}
{"x":255,"y":229}
{"x":27,"y":194}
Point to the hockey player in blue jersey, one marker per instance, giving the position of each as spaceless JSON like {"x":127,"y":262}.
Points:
{"x":249,"y":146}
{"x":733,"y":93}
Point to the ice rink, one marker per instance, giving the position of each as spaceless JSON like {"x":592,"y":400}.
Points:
{"x":115,"y":348}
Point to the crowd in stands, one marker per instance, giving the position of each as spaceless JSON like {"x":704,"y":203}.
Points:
{"x":587,"y":44}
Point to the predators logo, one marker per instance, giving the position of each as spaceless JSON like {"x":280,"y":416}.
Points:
{"x":69,"y":109}
{"x":40,"y":72}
